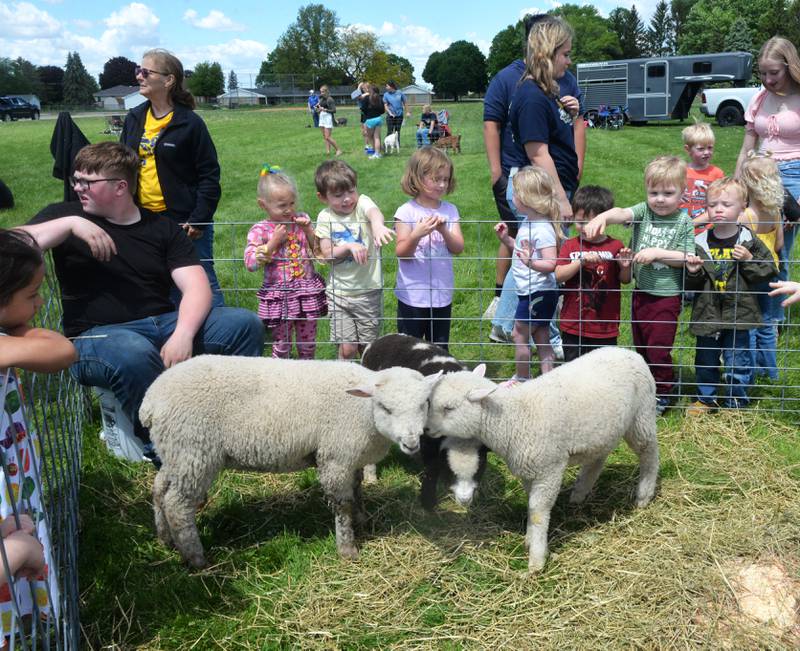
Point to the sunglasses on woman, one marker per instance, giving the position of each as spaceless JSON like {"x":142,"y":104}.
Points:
{"x":146,"y":72}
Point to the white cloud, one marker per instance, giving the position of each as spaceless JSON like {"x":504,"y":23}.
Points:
{"x":530,"y":10}
{"x":215,"y":20}
{"x":23,"y":20}
{"x":482,"y":43}
{"x":82,"y":24}
{"x":413,"y":42}
{"x":239,"y":54}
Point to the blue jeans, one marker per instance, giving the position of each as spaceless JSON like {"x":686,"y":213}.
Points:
{"x":790,"y":176}
{"x":127,"y":359}
{"x":733,"y":346}
{"x":423,"y":136}
{"x":507,"y":306}
{"x":764,"y":340}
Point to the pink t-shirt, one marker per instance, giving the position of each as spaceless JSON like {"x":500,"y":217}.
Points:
{"x":426,"y":280}
{"x":776,"y":121}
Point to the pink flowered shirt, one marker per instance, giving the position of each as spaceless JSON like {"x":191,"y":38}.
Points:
{"x":292,"y":261}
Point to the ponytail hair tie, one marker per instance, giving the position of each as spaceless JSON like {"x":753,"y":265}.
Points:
{"x":270,"y":169}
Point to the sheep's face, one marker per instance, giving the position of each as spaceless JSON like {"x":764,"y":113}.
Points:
{"x":463,"y":459}
{"x":456,"y":404}
{"x":400,"y":400}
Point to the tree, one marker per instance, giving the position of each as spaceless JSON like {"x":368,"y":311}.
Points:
{"x":233,"y":82}
{"x":507,"y":46}
{"x":52,"y":78}
{"x":739,"y":37}
{"x":680,"y":12}
{"x":660,"y":37}
{"x":384,"y":67}
{"x":265,"y":74}
{"x":118,"y":71}
{"x":309,"y":46}
{"x":19,"y":77}
{"x":460,"y":69}
{"x":356,"y":51}
{"x":593,"y":41}
{"x":208,"y":80}
{"x":404,"y":69}
{"x":79,"y":85}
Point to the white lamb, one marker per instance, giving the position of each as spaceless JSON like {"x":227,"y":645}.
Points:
{"x":213,"y":412}
{"x":575,"y":414}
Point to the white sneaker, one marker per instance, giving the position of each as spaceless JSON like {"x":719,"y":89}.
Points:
{"x":500,"y":336}
{"x":376,"y":156}
{"x":488,"y":315}
{"x":558,"y":351}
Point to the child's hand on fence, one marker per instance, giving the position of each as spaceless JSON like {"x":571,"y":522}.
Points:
{"x":302,"y":220}
{"x":625,"y":257}
{"x":280,"y":233}
{"x":590,"y":258}
{"x":25,"y":555}
{"x":646,"y":256}
{"x":594,"y":227}
{"x":742,"y":253}
{"x":382,"y":235}
{"x":9,"y":525}
{"x":501,"y":230}
{"x":783,"y":287}
{"x":694,"y":263}
{"x":358,"y":251}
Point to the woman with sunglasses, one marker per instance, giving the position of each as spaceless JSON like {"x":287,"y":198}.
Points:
{"x":179,"y":176}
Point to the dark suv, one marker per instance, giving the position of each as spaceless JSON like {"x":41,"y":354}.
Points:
{"x":14,"y":108}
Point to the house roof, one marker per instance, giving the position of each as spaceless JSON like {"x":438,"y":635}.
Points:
{"x":117,"y":91}
{"x":413,"y":89}
{"x":241,"y":92}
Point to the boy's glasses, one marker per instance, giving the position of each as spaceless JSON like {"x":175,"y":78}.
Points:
{"x":86,"y":183}
{"x":146,"y":72}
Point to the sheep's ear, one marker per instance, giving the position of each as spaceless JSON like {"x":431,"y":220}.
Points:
{"x":361,"y":392}
{"x":433,"y":379}
{"x":476,"y":395}
{"x":479,"y":370}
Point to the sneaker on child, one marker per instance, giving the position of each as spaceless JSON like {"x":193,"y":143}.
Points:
{"x":500,"y":336}
{"x":489,"y":313}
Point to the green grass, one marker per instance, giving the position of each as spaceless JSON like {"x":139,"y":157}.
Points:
{"x":657,"y":578}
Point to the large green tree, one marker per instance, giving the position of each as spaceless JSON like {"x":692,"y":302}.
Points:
{"x":660,"y":35}
{"x":310,"y":45}
{"x":265,"y":74}
{"x":593,"y":41}
{"x":357,"y":48}
{"x":19,"y":77}
{"x":629,"y":28}
{"x":52,"y":78}
{"x":118,"y":71}
{"x":384,"y":67}
{"x":507,"y":46}
{"x":458,"y":70}
{"x":402,"y":69}
{"x":79,"y":85}
{"x":207,"y":80}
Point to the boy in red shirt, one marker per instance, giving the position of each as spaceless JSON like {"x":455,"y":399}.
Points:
{"x":591,"y":271}
{"x":698,"y":141}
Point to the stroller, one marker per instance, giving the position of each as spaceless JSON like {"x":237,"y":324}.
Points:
{"x":442,"y":126}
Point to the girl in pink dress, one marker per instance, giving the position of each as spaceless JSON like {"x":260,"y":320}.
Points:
{"x":292,"y":296}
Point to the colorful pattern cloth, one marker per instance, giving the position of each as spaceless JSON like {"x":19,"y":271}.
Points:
{"x":291,"y":288}
{"x":20,"y":486}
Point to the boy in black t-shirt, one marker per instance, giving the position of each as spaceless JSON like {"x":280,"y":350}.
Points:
{"x":729,"y":260}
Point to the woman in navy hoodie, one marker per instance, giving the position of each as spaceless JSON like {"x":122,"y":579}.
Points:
{"x":180,"y":172}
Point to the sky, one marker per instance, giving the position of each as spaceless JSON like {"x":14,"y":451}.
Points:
{"x":239,"y":35}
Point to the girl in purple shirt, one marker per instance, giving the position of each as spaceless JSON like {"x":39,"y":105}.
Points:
{"x":428,"y":234}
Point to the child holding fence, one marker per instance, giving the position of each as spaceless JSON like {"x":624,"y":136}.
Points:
{"x":428,"y":235}
{"x":24,"y":530}
{"x":663,"y":236}
{"x":533,"y":263}
{"x":591,"y":270}
{"x":292,"y":296}
{"x":762,"y":181}
{"x":729,"y":261}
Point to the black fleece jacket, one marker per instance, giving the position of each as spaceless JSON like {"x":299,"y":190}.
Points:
{"x":186,"y":160}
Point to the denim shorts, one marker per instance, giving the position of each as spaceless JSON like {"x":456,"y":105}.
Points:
{"x":538,"y":308}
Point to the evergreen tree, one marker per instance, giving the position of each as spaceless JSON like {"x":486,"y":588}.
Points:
{"x":79,"y":85}
{"x":52,"y":78}
{"x":265,"y":74}
{"x":739,"y":37}
{"x":233,"y":82}
{"x":680,"y":12}
{"x":660,"y":37}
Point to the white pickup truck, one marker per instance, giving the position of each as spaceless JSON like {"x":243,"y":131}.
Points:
{"x":727,"y":104}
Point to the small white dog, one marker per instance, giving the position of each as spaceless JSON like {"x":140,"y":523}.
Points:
{"x":392,"y":141}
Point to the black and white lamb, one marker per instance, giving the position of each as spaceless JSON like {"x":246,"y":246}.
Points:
{"x":468,"y":456}
{"x":277,"y":416}
{"x":576,"y":414}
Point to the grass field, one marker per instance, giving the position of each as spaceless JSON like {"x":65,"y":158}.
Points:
{"x":664,"y":577}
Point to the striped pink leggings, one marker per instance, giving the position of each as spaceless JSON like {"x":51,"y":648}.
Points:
{"x":305,"y":338}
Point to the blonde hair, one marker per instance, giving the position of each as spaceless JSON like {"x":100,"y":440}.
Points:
{"x":762,"y":180}
{"x":780,"y":49}
{"x":424,"y":161}
{"x":535,"y":188}
{"x":699,"y":133}
{"x":169,"y":63}
{"x":544,"y":39}
{"x":666,"y":170}
{"x":724,"y":184}
{"x":269,"y":181}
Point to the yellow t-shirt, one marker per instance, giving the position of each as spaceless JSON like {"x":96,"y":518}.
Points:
{"x":150,"y":195}
{"x":767,"y":238}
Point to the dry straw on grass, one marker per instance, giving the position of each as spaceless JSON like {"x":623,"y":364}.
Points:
{"x":661,"y":577}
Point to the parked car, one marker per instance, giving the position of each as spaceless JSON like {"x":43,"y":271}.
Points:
{"x":727,"y":104}
{"x":14,"y":108}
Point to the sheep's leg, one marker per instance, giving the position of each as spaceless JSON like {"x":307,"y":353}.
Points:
{"x":160,"y":485}
{"x":337,"y":484}
{"x":359,"y":518}
{"x":541,"y":498}
{"x":370,"y":473}
{"x":432,"y":463}
{"x":179,"y":511}
{"x":645,"y":445}
{"x":586,"y":480}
